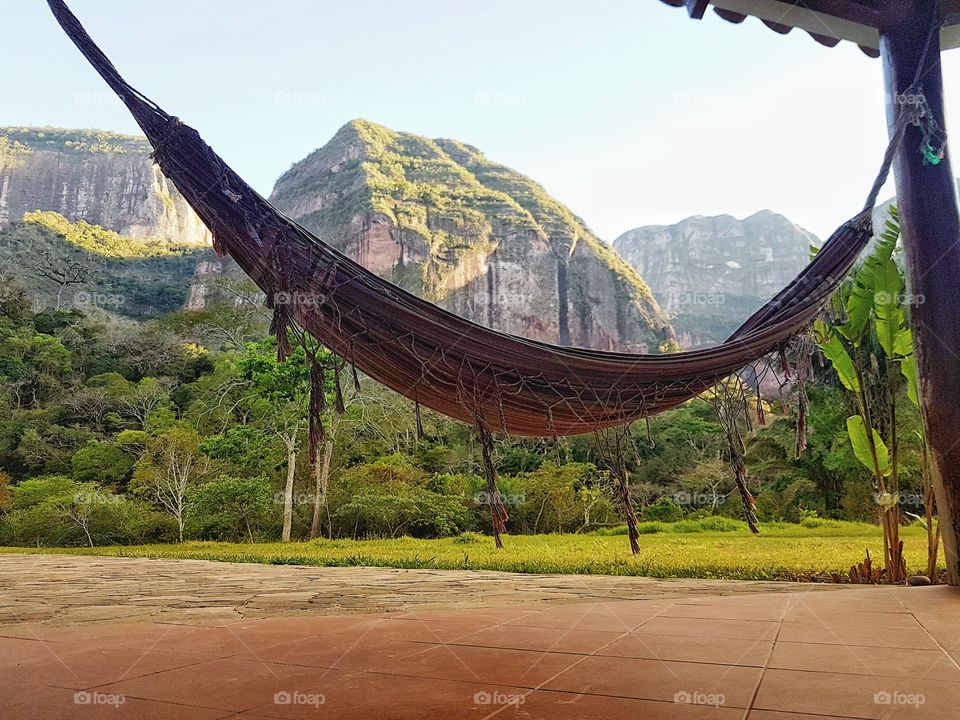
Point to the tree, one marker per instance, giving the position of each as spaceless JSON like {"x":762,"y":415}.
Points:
{"x":63,"y":271}
{"x":93,"y":404}
{"x":231,"y":507}
{"x":101,"y":462}
{"x":277,"y":397}
{"x":145,"y":397}
{"x":171,"y":465}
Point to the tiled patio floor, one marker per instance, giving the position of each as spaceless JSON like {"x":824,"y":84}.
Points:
{"x":861,"y":653}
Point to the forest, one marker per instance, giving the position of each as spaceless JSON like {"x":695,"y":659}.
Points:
{"x":186,"y":426}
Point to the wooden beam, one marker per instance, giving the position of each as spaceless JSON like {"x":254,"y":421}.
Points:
{"x":697,"y":8}
{"x":926,"y":195}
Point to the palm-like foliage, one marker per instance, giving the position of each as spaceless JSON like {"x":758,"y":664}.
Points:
{"x":867,"y":341}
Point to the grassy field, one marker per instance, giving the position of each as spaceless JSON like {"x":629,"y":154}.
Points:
{"x":780,"y":552}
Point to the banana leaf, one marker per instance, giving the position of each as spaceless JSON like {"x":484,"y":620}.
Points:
{"x":837,"y":354}
{"x":865,"y":285}
{"x":861,"y":446}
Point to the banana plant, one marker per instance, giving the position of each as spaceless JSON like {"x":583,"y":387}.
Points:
{"x":870,"y":346}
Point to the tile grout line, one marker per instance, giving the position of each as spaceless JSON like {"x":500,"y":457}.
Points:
{"x":946,"y":653}
{"x":766,"y":663}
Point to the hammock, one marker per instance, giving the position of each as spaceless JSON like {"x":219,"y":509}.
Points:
{"x":494,"y":381}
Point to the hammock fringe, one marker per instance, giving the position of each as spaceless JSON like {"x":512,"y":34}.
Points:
{"x":498,"y":512}
{"x":317,"y":403}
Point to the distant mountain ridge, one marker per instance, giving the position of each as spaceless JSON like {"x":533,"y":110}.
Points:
{"x":711,"y":273}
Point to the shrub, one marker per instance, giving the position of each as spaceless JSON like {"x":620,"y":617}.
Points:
{"x":468,"y":538}
{"x":230,"y":508}
{"x":556,"y":498}
{"x":102,"y":463}
{"x":717,"y":523}
{"x":820,"y":523}
{"x":412,"y":511}
{"x":664,"y":509}
{"x":59,"y":511}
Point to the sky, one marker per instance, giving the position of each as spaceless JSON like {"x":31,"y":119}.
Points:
{"x":626,"y":110}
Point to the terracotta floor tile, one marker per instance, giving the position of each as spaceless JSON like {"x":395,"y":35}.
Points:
{"x":306,"y":625}
{"x":252,"y":636}
{"x":29,"y":631}
{"x":89,"y":668}
{"x":727,"y":611}
{"x":871,"y":600}
{"x":938,"y":600}
{"x":612,"y":617}
{"x":864,"y":635}
{"x":433,"y":631}
{"x":60,"y":704}
{"x":945,"y":630}
{"x":857,"y":619}
{"x":487,"y":617}
{"x":659,"y":680}
{"x":696,"y":627}
{"x":356,"y":652}
{"x":544,"y":639}
{"x":725,"y":651}
{"x":15,"y":651}
{"x":551,"y":705}
{"x":615,"y":660}
{"x":756,"y":598}
{"x":229,"y":684}
{"x":15,"y":691}
{"x":372,"y":696}
{"x":857,"y":696}
{"x":90,"y":634}
{"x":857,"y":660}
{"x":496,"y":666}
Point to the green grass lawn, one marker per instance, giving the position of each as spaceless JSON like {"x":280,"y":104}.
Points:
{"x":780,"y":552}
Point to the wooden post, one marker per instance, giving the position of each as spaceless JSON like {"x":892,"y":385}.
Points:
{"x":926,"y":196}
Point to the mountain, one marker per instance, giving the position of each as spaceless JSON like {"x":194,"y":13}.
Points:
{"x":711,"y":273}
{"x":102,"y":178}
{"x":443,"y":221}
{"x":87,"y":220}
{"x":434,"y":216}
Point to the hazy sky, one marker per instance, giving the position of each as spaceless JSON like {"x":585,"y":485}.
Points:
{"x":626,"y":110}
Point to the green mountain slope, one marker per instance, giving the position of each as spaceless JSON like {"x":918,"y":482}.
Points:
{"x":440,"y":219}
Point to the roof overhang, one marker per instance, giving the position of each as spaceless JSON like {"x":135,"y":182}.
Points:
{"x":827,"y":21}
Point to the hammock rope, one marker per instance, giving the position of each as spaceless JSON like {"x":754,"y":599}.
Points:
{"x":493,"y":381}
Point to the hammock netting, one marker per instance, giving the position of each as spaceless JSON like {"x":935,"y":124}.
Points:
{"x":498,"y":383}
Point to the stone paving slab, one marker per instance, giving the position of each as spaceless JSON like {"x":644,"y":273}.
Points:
{"x":64,"y":588}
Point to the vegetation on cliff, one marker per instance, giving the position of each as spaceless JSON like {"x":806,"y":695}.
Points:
{"x":73,"y":141}
{"x":65,"y":264}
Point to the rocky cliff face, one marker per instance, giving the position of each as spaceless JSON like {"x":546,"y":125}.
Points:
{"x":103,"y":178}
{"x":443,"y":221}
{"x":711,"y":273}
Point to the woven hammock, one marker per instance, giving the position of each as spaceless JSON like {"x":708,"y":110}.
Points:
{"x":494,"y":381}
